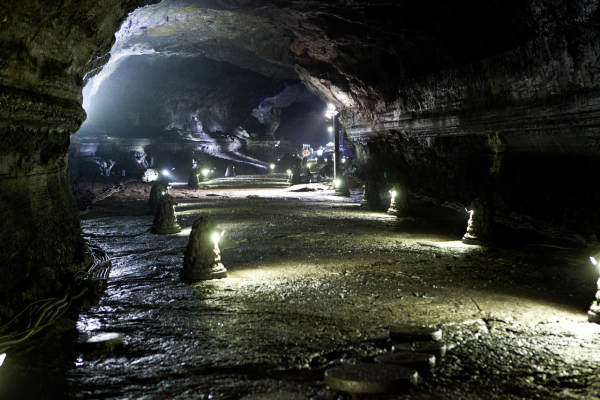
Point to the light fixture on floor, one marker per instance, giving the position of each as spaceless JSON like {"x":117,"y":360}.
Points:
{"x":165,"y":219}
{"x":594,"y":312}
{"x":399,"y":203}
{"x":479,"y":226}
{"x":202,"y":259}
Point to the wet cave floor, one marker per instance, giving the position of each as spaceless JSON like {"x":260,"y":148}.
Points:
{"x":314,"y":281}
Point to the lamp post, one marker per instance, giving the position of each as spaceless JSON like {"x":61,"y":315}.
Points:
{"x":340,"y":185}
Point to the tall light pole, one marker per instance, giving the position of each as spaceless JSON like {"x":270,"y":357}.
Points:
{"x":341,"y":189}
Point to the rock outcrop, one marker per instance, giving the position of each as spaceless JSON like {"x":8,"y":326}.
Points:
{"x":47,"y":49}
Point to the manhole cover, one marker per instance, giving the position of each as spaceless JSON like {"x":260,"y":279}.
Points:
{"x":422,"y":362}
{"x":407,"y":333}
{"x":371,"y":378}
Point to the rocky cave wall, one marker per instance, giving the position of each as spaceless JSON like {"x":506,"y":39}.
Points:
{"x":45,"y":51}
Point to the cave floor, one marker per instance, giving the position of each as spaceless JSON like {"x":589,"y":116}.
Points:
{"x":314,"y":281}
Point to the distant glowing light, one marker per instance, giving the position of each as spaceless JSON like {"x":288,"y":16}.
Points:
{"x":289,"y":171}
{"x":343,"y":160}
{"x":337,"y":182}
{"x":216,"y":236}
{"x":2,"y":357}
{"x":593,"y":260}
{"x":394,"y":193}
{"x":165,"y":172}
{"x":272,"y":166}
{"x":205,"y":172}
{"x":319,"y":153}
{"x":331,"y":111}
{"x":330,"y":129}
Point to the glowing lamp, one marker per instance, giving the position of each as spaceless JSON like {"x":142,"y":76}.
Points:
{"x":216,"y":236}
{"x":205,"y":172}
{"x":336,"y":182}
{"x":165,"y":172}
{"x":343,"y":160}
{"x":289,"y":171}
{"x":331,"y":107}
{"x":272,"y":166}
{"x":319,"y":153}
{"x":330,"y":129}
{"x":394,"y":193}
{"x":2,"y":357}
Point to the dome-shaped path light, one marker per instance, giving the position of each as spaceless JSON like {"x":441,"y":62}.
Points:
{"x":165,"y":220}
{"x":594,"y":312}
{"x":480,"y":225}
{"x":371,"y":197}
{"x":158,"y":190}
{"x":193,"y":182}
{"x":202,"y":259}
{"x":399,"y":205}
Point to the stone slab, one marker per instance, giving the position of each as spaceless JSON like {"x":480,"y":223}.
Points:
{"x":422,"y":362}
{"x":435,"y":348}
{"x":407,"y":333}
{"x":371,"y":378}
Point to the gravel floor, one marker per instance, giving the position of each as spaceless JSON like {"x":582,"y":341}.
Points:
{"x":315,"y":281}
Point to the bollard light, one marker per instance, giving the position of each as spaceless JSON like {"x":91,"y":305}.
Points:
{"x":594,"y":311}
{"x":202,"y":258}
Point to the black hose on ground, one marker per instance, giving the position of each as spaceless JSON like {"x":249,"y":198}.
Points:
{"x":42,"y":313}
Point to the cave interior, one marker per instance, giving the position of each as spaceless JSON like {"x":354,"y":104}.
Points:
{"x":465,"y":198}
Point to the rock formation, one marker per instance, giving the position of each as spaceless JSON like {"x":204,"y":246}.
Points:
{"x":193,"y":182}
{"x":158,"y":190}
{"x":165,"y":219}
{"x":480,"y":225}
{"x":371,"y":196}
{"x":202,"y":259}
{"x":399,"y":204}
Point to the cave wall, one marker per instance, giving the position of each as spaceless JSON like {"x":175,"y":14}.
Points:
{"x":516,"y":123}
{"x":45,"y":51}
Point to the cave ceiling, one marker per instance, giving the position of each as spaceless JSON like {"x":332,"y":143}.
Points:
{"x":355,"y":54}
